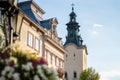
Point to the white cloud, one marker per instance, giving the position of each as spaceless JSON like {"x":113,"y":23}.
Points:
{"x":97,"y":25}
{"x":94,"y":32}
{"x":107,"y":75}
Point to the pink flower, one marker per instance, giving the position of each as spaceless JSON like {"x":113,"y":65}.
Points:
{"x":5,"y":56}
{"x":11,"y":65}
{"x":42,"y":61}
{"x":9,"y":49}
{"x":34,"y":63}
{"x":0,"y":52}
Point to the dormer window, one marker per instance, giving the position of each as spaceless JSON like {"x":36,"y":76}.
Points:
{"x":54,"y":32}
{"x":54,"y":29}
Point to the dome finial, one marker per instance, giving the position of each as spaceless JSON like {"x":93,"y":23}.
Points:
{"x":72,"y":6}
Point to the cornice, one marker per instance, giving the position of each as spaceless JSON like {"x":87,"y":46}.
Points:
{"x":51,"y":41}
{"x":78,"y":47}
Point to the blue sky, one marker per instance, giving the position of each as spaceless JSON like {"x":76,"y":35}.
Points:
{"x":100,"y":30}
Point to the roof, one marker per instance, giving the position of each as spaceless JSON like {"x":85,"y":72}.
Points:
{"x":26,"y":7}
{"x":31,"y":2}
{"x":47,"y":23}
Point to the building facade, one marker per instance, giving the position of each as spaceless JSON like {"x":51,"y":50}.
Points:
{"x":40,"y":35}
{"x":76,"y":57}
{"x":34,"y":33}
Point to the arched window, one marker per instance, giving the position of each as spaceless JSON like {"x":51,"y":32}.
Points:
{"x":74,"y":55}
{"x":75,"y":74}
{"x":66,"y":75}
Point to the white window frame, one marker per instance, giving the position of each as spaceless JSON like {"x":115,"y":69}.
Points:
{"x":57,"y":61}
{"x":30,"y":39}
{"x":53,"y":60}
{"x":49,"y":57}
{"x":37,"y":44}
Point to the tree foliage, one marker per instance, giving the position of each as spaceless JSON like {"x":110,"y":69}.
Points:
{"x":89,"y":74}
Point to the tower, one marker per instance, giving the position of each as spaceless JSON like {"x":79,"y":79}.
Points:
{"x":76,"y":57}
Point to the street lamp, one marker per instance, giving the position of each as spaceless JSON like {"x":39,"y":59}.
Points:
{"x":8,"y":9}
{"x":18,"y":20}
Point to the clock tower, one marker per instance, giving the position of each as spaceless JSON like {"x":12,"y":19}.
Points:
{"x":76,"y":57}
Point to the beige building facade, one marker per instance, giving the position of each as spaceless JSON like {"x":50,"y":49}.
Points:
{"x":40,"y":35}
{"x":36,"y":34}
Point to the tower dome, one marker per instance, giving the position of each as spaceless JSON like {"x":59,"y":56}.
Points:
{"x":73,"y":30}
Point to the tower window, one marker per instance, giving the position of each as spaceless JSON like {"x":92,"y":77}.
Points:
{"x":66,"y":55}
{"x":75,"y":75}
{"x":72,"y":20}
{"x":71,"y":36}
{"x":66,"y":75}
{"x":74,"y":55}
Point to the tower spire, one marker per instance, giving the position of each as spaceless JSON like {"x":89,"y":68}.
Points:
{"x":72,"y":7}
{"x":72,"y":14}
{"x":73,"y":30}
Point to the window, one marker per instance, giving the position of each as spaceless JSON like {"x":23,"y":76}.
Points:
{"x":72,"y":20}
{"x":66,"y":55}
{"x":75,"y":75}
{"x":74,"y":55}
{"x":66,"y":75}
{"x":45,"y":55}
{"x":37,"y":44}
{"x":53,"y":62}
{"x":53,"y":29}
{"x":71,"y":36}
{"x":57,"y":60}
{"x":49,"y":57}
{"x":30,"y":39}
{"x":60,"y":63}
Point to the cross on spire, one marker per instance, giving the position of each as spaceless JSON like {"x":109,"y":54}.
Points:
{"x":72,"y":6}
